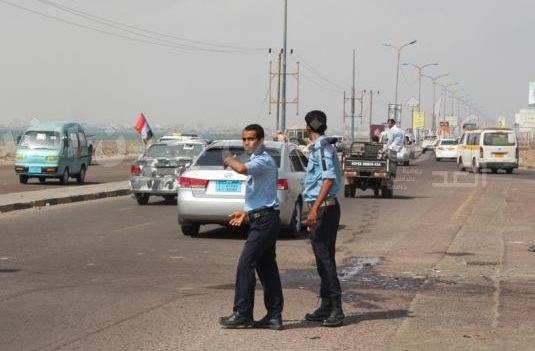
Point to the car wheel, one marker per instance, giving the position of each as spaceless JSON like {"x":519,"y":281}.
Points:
{"x":509,"y":170}
{"x":349,"y":190}
{"x":190,"y":229}
{"x":64,"y":179}
{"x":460,"y":164}
{"x":475,"y":167}
{"x":42,"y":179}
{"x":438,"y":159}
{"x":376,"y":192}
{"x":384,"y":192}
{"x":23,"y":179}
{"x":80,"y":177}
{"x":294,"y":230}
{"x":142,"y":199}
{"x":169,"y":197}
{"x":494,"y":170}
{"x":406,"y":163}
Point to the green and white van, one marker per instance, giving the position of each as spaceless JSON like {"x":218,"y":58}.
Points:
{"x":53,"y":150}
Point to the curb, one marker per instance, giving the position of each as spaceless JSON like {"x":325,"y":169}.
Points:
{"x":63,"y":200}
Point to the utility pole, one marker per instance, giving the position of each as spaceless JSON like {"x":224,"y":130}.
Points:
{"x":278,"y":75}
{"x":283,"y":101}
{"x":352,"y":98}
{"x":371,"y":105}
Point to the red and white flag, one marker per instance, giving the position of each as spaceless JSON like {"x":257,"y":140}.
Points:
{"x":143,"y":128}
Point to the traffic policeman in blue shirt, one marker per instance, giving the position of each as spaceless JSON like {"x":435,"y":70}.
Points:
{"x":322,"y":183}
{"x":262,"y":213}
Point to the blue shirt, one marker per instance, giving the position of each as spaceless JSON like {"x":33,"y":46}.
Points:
{"x":262,"y":175}
{"x":317,"y":170}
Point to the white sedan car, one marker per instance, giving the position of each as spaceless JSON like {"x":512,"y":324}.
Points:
{"x":446,"y":148}
{"x":208,"y":193}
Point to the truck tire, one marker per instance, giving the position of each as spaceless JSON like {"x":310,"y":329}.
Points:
{"x":349,"y":190}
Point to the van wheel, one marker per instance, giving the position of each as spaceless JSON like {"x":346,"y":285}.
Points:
{"x":191,"y":229}
{"x":509,"y":170}
{"x":42,"y":179}
{"x":294,"y":230}
{"x":460,"y":164}
{"x":494,"y":170}
{"x":64,"y":179}
{"x":80,"y":177}
{"x":376,"y":192}
{"x":475,"y":168}
{"x":142,"y":199}
{"x":23,"y":179}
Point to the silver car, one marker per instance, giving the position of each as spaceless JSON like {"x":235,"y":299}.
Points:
{"x":154,"y":173}
{"x":208,"y":193}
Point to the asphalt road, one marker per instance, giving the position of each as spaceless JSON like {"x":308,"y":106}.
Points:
{"x":441,"y":266}
{"x":101,"y":171}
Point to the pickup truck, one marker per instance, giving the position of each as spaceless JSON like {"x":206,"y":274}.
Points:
{"x":365,"y":166}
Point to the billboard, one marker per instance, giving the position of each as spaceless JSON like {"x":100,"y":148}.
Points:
{"x":531,"y":99}
{"x":418,"y":119}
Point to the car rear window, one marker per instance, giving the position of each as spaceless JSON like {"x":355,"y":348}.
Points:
{"x":213,"y":156}
{"x":448,"y":142}
{"x":179,"y":150}
{"x":499,"y":139}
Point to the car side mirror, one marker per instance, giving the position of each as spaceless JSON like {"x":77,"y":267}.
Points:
{"x":19,"y":137}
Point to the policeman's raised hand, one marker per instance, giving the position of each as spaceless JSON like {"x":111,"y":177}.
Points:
{"x":236,"y":219}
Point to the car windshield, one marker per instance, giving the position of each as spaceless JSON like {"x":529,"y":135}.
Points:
{"x":499,"y":139}
{"x":448,"y":142}
{"x":213,"y":156}
{"x":41,"y":140}
{"x":178,"y":150}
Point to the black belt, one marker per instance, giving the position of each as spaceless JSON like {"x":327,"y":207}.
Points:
{"x":259,"y":212}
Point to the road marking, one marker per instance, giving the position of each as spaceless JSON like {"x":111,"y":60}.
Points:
{"x":122,"y":229}
{"x":457,"y":214}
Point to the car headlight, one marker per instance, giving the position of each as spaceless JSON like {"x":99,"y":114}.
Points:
{"x":20,"y":157}
{"x":52,"y":158}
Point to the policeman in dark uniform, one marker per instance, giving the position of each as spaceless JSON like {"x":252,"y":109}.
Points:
{"x":261,"y":210}
{"x":322,"y":183}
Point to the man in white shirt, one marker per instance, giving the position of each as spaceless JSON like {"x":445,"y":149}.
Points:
{"x":396,"y":136}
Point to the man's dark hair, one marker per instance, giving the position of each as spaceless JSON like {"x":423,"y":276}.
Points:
{"x":317,"y":121}
{"x":257,"y":128}
{"x":391,"y":120}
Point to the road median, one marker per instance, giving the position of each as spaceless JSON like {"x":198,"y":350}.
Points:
{"x":68,"y":194}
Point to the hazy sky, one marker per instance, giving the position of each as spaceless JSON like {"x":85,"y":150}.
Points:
{"x":71,"y":60}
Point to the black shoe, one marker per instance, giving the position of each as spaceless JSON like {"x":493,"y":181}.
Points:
{"x":236,"y":320}
{"x":336,"y":317}
{"x":321,"y":313}
{"x":269,"y":323}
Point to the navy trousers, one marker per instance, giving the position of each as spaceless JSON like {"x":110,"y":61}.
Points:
{"x":323,"y":241}
{"x":259,"y":254}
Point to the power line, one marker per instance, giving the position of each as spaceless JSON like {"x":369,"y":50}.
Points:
{"x":317,"y":73}
{"x":148,"y":39}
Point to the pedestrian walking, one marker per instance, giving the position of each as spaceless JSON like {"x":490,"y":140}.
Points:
{"x":322,"y":183}
{"x":262,"y":213}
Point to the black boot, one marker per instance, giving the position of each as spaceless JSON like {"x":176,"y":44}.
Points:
{"x":321,"y":312}
{"x":336,"y":315}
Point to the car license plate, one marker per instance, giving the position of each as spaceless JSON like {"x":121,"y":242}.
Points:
{"x":166,"y":171}
{"x":498,"y":155}
{"x":35,"y":169}
{"x":451,"y":148}
{"x":227,"y":186}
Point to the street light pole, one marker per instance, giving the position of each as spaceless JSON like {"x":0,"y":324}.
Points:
{"x":420,"y":68}
{"x":398,"y":49}
{"x":434,"y":79}
{"x":446,"y":86}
